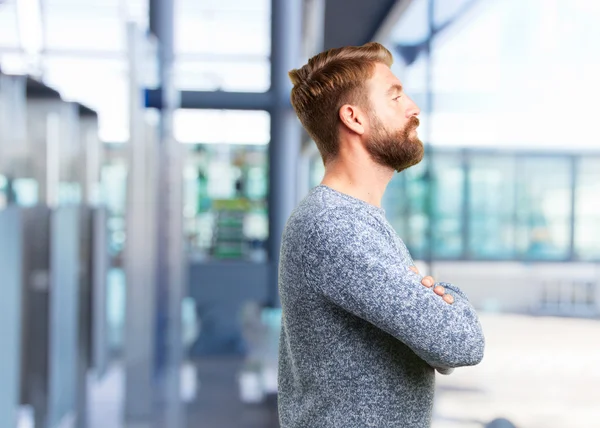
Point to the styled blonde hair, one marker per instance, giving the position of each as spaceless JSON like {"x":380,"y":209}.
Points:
{"x":327,"y":82}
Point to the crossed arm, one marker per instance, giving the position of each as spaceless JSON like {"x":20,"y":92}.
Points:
{"x":439,"y":289}
{"x":358,"y":272}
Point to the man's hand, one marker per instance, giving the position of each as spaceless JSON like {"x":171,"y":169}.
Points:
{"x":429,"y":282}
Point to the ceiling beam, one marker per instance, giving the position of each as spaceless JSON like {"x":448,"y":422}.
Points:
{"x":356,"y":22}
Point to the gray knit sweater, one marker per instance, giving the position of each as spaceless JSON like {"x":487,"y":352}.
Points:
{"x":361,"y":336}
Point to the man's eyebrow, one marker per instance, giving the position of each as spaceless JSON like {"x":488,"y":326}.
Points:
{"x":394,"y":89}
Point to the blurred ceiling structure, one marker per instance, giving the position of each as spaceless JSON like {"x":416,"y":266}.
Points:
{"x":355,"y":22}
{"x":219,"y":45}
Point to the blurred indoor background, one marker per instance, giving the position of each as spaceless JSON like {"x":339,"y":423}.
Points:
{"x":149,"y":159}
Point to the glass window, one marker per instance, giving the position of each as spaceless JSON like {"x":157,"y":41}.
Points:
{"x":114,"y":195}
{"x":587,"y":209}
{"x":9,"y":36}
{"x":21,"y":191}
{"x":26,"y":191}
{"x":224,"y":74}
{"x":223,"y":45}
{"x":100,"y":84}
{"x":395,"y":204}
{"x":417,"y":212}
{"x":448,"y":10}
{"x":3,"y":192}
{"x":222,"y":126}
{"x":448,"y":187}
{"x":410,"y":210}
{"x":496,"y":65}
{"x":543,"y":207}
{"x":213,"y":30}
{"x":413,"y":25}
{"x":316,"y":170}
{"x":97,"y":27}
{"x":225,"y":206}
{"x":226,"y":182}
{"x":491,"y":207}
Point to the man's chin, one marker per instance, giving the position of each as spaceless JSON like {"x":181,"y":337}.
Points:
{"x":415,"y":160}
{"x":416,"y":141}
{"x":405,"y":167}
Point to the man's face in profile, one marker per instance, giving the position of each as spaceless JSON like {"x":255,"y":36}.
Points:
{"x":392,"y":140}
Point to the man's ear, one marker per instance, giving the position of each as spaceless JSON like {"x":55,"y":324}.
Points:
{"x":353,"y":118}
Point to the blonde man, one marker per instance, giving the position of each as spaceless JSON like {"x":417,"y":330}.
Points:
{"x":363,"y":332}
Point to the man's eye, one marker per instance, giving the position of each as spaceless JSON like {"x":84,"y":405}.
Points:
{"x":398,"y":97}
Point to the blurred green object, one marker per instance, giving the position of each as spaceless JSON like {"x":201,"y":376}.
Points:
{"x":229,"y":239}
{"x":204,"y":202}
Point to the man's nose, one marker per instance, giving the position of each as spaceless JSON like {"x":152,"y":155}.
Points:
{"x":413,"y":109}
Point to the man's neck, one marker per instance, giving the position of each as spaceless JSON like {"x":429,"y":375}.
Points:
{"x":365,"y":182}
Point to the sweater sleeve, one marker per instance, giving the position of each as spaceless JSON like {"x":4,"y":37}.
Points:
{"x":354,"y":266}
{"x":455,"y":291}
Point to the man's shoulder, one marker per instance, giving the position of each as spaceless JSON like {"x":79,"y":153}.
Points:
{"x":324,"y":216}
{"x":317,"y":225}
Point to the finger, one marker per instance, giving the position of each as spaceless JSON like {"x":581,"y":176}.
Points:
{"x":448,"y":298}
{"x":439,"y":290}
{"x":414,"y":269}
{"x":428,"y":281}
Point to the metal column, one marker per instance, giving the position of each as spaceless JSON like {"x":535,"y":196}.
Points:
{"x":64,"y":300}
{"x":429,"y":168}
{"x":11,"y":271}
{"x":284,"y":149}
{"x":171,"y":258}
{"x":139,"y":257}
{"x":314,"y":33}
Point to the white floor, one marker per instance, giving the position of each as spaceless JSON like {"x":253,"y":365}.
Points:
{"x":105,"y":399}
{"x":537,"y":373}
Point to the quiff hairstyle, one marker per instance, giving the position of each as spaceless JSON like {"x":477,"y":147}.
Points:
{"x":328,"y":81}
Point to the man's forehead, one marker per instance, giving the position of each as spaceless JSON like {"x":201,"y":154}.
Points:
{"x":383,"y":77}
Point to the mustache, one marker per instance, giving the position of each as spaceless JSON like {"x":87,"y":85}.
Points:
{"x":413,"y":122}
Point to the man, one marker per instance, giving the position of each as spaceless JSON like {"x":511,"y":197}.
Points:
{"x":362,"y":331}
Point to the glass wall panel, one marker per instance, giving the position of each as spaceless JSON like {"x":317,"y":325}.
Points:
{"x":543,"y":207}
{"x":114,"y":195}
{"x":491,"y":207}
{"x":587,"y":209}
{"x":418,"y":210}
{"x":316,"y":170}
{"x":447,"y":211}
{"x":396,"y":206}
{"x":518,"y":206}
